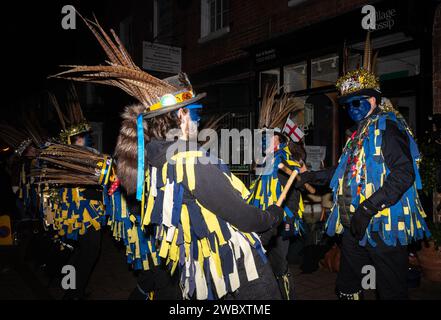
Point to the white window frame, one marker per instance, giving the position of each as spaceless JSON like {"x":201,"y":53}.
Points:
{"x":206,"y":34}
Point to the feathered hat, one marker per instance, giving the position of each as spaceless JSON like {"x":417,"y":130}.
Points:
{"x":15,"y":139}
{"x":362,"y":81}
{"x":26,"y":133}
{"x":70,"y":164}
{"x":156,"y":95}
{"x":274,"y":112}
{"x":72,"y":120}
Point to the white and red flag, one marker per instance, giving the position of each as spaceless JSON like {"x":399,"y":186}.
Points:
{"x":292,"y":130}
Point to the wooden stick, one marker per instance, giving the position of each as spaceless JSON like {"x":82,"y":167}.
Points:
{"x":282,"y":197}
{"x":288,"y":171}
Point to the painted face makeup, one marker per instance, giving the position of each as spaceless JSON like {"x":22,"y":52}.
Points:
{"x":358,"y":107}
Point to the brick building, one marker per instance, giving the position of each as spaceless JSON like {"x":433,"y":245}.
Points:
{"x":232,"y":49}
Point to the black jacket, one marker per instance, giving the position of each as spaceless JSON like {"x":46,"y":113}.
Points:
{"x":398,"y":159}
{"x":214,"y":192}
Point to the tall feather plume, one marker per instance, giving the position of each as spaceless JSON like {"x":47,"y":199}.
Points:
{"x":26,"y":131}
{"x":120,"y":71}
{"x":267,"y":106}
{"x":73,"y":105}
{"x":53,"y":100}
{"x":31,"y":124}
{"x":273,"y":112}
{"x":367,"y":58}
{"x":12,"y":136}
{"x":68,"y":164}
{"x":33,"y":132}
{"x":69,"y":112}
{"x":374,"y":62}
{"x":285,"y":106}
{"x":345,"y":58}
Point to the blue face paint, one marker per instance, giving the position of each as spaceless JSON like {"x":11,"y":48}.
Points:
{"x":358,"y":107}
{"x":194,"y":110}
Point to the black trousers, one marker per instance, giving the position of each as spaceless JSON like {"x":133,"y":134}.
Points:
{"x":84,"y":258}
{"x":390,"y":263}
{"x":263,"y":288}
{"x":277,"y":254}
{"x":158,"y":280}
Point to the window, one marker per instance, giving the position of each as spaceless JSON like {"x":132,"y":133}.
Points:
{"x":162,"y":20}
{"x":399,"y":65}
{"x":407,"y":106}
{"x":317,"y":120}
{"x":268,"y":79}
{"x":324,"y":71}
{"x":294,"y":77}
{"x":214,"y":19}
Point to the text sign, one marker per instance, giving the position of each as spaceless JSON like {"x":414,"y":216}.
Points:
{"x":315,"y":155}
{"x":162,"y":58}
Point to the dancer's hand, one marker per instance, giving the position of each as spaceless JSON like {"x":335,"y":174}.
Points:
{"x":265,"y":237}
{"x":361,"y":219}
{"x":277,"y":213}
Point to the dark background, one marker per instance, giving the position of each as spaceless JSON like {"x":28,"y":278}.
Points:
{"x":35,"y":45}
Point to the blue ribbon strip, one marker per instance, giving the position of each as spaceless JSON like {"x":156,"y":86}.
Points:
{"x":140,"y":180}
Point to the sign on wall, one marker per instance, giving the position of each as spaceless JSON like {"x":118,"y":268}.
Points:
{"x":315,"y":155}
{"x":162,"y":58}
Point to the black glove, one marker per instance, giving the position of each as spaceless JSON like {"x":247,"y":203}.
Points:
{"x":277,"y":213}
{"x":267,"y":235}
{"x":361,"y":219}
{"x":305,"y":177}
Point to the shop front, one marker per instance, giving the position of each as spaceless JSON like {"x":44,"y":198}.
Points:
{"x":307,"y":62}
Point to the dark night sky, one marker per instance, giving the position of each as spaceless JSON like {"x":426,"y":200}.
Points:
{"x":35,"y":44}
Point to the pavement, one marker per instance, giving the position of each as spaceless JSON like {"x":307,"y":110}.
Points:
{"x":112,"y":279}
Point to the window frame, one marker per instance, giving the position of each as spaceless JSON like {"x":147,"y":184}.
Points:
{"x":206,"y":33}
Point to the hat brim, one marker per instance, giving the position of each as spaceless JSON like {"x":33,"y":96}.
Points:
{"x":152,"y":114}
{"x":362,"y":92}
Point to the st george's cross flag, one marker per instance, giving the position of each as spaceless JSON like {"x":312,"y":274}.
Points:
{"x":292,"y":130}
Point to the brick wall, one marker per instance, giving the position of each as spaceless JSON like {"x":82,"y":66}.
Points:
{"x":251,"y":21}
{"x":437,"y":61}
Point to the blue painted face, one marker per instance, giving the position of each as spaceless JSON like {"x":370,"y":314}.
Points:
{"x":194,"y":110}
{"x":358,"y":107}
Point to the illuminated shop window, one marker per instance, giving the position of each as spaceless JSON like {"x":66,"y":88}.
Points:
{"x":294,"y":77}
{"x":324,"y":71}
{"x":268,"y":79}
{"x":399,"y":65}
